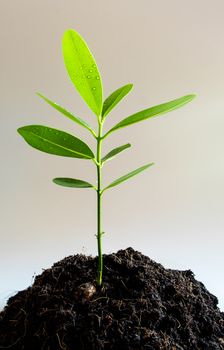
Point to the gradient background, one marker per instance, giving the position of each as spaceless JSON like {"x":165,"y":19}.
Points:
{"x":174,"y":211}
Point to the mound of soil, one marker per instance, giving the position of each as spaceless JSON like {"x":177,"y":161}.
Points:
{"x":140,"y":306}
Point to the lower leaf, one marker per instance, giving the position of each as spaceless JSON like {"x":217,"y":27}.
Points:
{"x":67,"y":182}
{"x":127,"y":176}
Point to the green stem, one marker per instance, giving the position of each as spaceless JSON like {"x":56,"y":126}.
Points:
{"x":99,"y":205}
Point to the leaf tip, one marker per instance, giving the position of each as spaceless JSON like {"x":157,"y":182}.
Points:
{"x":191,"y":96}
{"x":19,"y":130}
{"x":68,"y":31}
{"x":56,"y":181}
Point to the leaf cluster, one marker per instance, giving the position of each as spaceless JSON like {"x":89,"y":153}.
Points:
{"x":84,"y":74}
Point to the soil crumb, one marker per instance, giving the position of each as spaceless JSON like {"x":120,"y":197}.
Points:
{"x":141,"y":305}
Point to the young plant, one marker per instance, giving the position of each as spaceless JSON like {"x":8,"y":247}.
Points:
{"x":85,"y":76}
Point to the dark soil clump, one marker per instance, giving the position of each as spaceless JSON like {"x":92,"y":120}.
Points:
{"x":140,"y":306}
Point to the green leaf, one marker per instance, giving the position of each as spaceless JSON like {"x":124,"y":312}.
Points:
{"x":152,"y":112}
{"x":127,"y":176}
{"x":67,"y":182}
{"x":82,"y":70}
{"x":55,"y":141}
{"x":115,"y":98}
{"x":115,"y":151}
{"x":67,"y":114}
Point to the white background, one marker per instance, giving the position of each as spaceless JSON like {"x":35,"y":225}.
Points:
{"x":173,"y":212}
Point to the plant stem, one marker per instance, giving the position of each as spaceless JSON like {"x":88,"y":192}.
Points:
{"x":99,"y":205}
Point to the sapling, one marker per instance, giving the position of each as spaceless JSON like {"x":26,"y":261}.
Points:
{"x":84,"y":74}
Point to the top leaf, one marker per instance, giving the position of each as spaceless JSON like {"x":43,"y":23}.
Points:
{"x":152,"y":112}
{"x":115,"y":98}
{"x":82,"y":70}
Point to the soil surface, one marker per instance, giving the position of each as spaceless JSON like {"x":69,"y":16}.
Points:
{"x":140,"y":306}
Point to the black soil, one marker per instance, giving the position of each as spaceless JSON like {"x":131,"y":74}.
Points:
{"x":140,"y":306}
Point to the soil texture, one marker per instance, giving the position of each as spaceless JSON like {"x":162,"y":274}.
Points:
{"x":141,"y":306}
